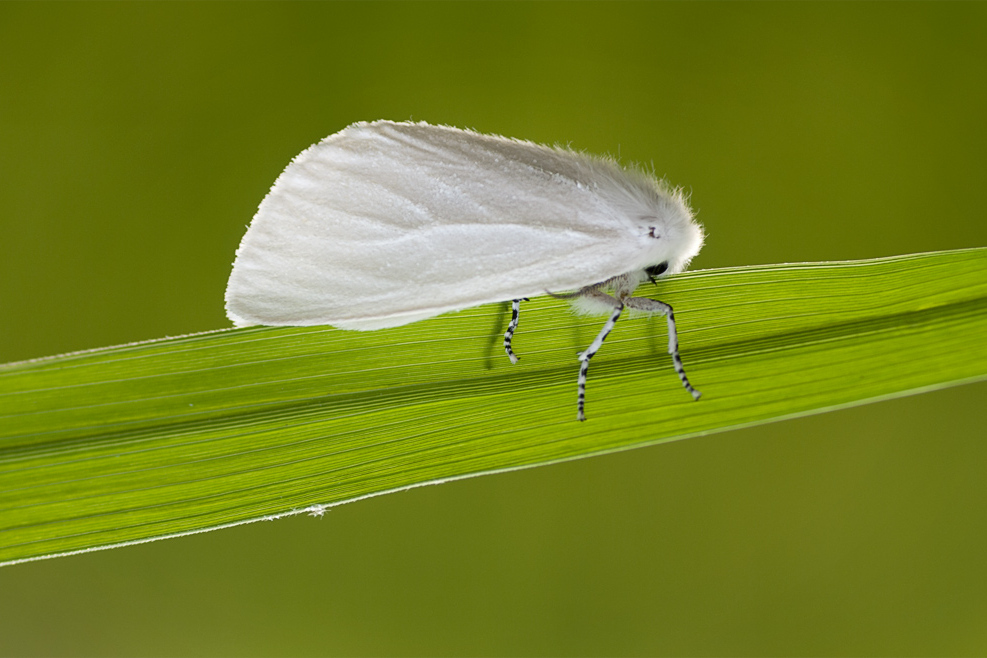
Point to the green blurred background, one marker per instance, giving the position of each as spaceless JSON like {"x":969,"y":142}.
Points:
{"x":137,"y":140}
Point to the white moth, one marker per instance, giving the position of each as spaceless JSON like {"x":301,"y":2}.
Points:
{"x":387,"y":223}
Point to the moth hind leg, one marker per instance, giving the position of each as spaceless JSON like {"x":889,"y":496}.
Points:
{"x":655,"y":306}
{"x":512,"y":327}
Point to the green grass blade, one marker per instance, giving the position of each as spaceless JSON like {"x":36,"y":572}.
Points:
{"x":145,"y":441}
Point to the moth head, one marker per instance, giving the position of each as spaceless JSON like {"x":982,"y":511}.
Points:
{"x":671,"y":237}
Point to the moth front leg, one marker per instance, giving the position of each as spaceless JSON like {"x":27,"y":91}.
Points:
{"x":655,"y":306}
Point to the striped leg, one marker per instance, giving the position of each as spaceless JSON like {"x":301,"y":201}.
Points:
{"x":588,"y":354}
{"x":654,"y":306}
{"x":515,"y":314}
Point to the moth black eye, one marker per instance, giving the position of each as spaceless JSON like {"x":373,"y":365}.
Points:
{"x":656,"y":270}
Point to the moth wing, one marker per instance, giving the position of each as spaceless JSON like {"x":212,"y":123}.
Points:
{"x":386,"y":223}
